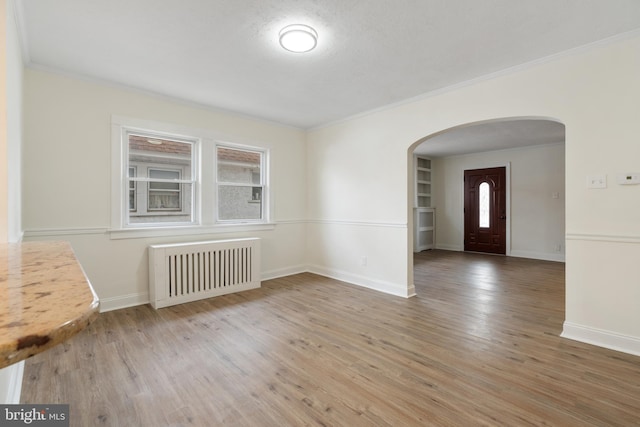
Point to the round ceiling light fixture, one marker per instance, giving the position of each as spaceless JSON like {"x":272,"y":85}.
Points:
{"x":298,"y":38}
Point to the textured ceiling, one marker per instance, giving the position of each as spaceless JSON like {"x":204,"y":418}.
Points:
{"x":224,"y":54}
{"x":498,"y":135}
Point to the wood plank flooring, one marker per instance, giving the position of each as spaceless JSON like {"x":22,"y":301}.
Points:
{"x":478,"y":346}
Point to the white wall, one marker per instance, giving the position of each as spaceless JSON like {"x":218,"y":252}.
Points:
{"x":11,"y":70}
{"x":536,"y":220}
{"x":15,"y":70}
{"x":68,"y":173}
{"x":358,"y":205}
{"x":359,"y":173}
{"x":5,"y":24}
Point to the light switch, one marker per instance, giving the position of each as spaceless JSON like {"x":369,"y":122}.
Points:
{"x":597,"y":181}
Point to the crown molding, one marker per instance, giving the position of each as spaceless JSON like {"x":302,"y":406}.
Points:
{"x":500,"y":73}
{"x":18,"y":16}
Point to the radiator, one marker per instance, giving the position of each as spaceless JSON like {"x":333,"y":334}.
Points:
{"x":185,"y":272}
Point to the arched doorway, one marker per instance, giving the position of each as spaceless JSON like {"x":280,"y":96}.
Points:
{"x":532,"y":151}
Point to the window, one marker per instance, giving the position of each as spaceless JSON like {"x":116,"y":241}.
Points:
{"x":484,"y":205}
{"x":240,"y":181}
{"x":169,"y":180}
{"x":160,"y":179}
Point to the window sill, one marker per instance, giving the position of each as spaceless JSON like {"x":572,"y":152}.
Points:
{"x":189,"y":230}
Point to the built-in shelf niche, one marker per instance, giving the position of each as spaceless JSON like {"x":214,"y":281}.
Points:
{"x":424,"y":213}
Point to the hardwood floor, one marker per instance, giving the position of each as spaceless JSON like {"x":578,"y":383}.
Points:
{"x":478,"y":346}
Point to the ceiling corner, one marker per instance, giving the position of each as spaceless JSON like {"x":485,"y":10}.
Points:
{"x":18,"y":16}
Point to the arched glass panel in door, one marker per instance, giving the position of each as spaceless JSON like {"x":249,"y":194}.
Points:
{"x":484,"y":205}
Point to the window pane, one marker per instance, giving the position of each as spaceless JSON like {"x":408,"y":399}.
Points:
{"x":152,"y":158}
{"x":148,"y":151}
{"x":165,"y":207}
{"x":239,"y":166}
{"x":484,"y":205}
{"x":239,"y":202}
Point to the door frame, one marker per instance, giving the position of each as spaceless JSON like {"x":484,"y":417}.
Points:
{"x":507,"y":166}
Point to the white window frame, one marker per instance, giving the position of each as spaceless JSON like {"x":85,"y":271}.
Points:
{"x":264,"y":175}
{"x":126,"y":132}
{"x":204,"y":190}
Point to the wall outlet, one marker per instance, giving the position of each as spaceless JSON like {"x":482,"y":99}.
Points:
{"x":597,"y":181}
{"x":557,"y":248}
{"x":363,"y":261}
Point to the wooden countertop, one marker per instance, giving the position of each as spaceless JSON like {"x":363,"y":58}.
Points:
{"x":45,"y":298}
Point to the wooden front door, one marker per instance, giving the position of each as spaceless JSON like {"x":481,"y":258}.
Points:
{"x":485,"y":210}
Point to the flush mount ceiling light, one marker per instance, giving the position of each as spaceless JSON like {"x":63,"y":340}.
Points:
{"x":298,"y":38}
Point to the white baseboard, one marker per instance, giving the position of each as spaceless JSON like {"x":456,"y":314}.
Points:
{"x":446,"y":247}
{"x":282,"y":272}
{"x":11,"y":383}
{"x":543,"y":256}
{"x":354,"y":279}
{"x":132,"y":300}
{"x":124,"y":301}
{"x":601,"y":338}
